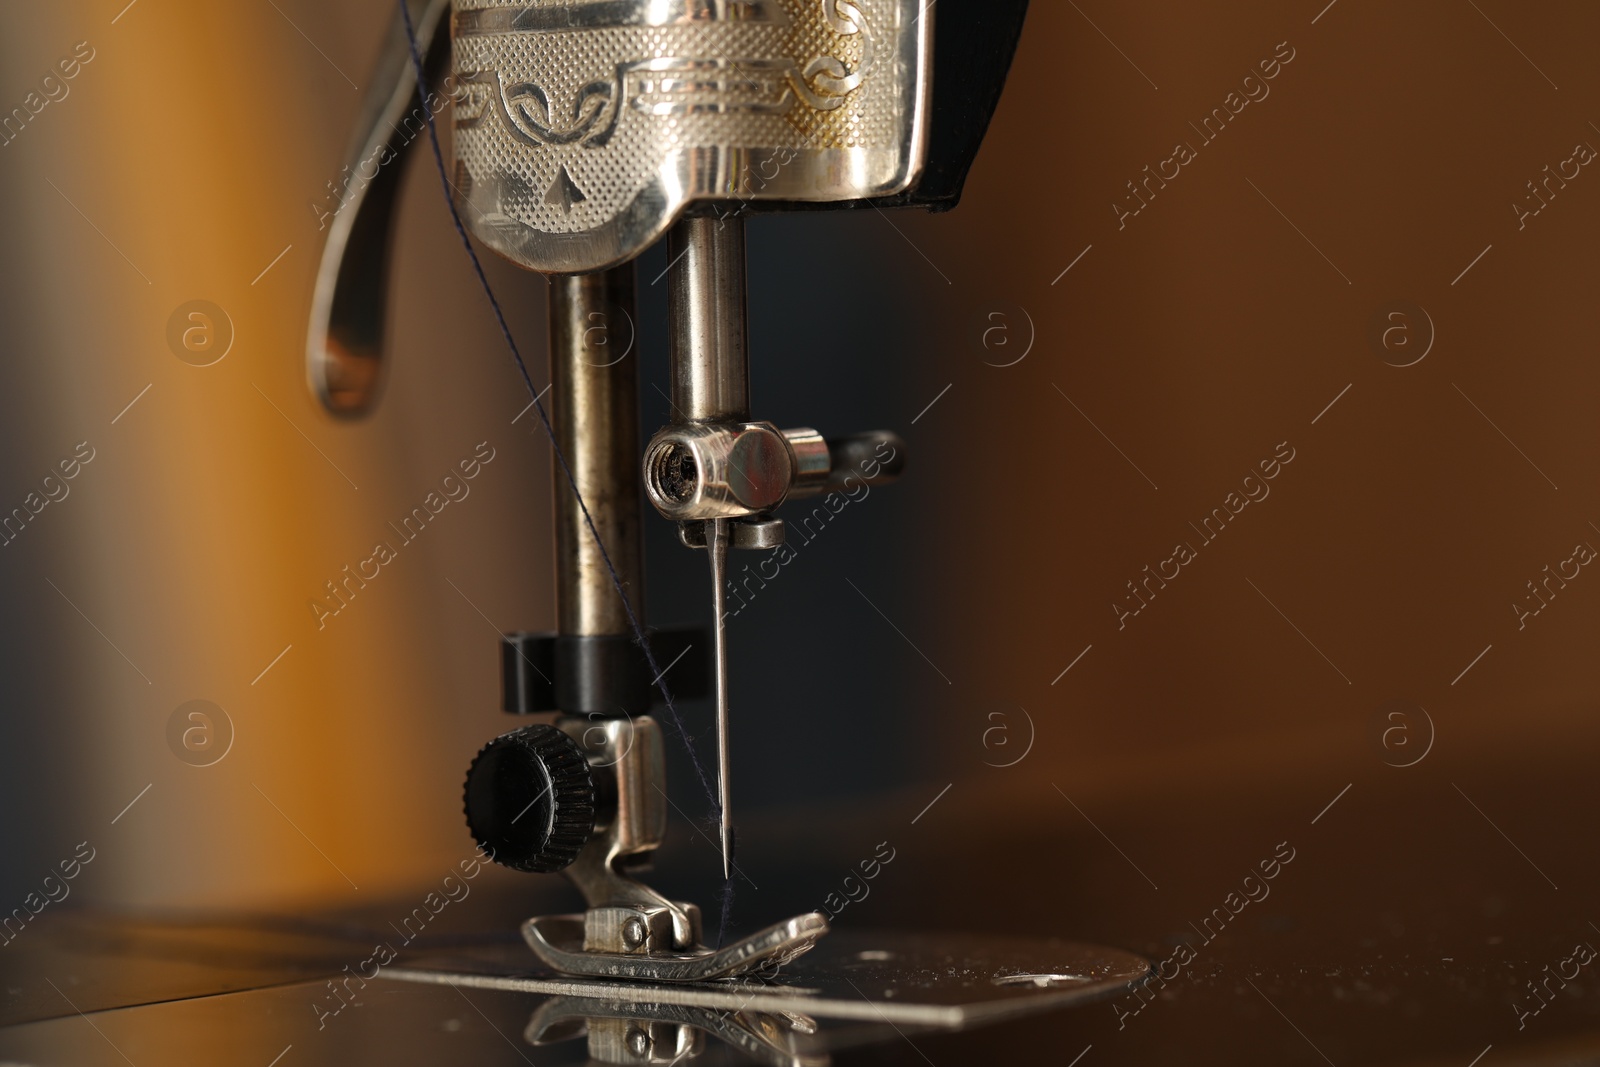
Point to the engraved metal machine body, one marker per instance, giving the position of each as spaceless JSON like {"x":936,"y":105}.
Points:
{"x":584,"y":132}
{"x":589,"y":127}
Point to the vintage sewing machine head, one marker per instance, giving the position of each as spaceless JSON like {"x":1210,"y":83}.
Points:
{"x":584,"y":132}
{"x":583,"y":129}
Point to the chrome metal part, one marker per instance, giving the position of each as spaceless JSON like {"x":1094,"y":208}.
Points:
{"x":877,"y":457}
{"x":594,"y":408}
{"x":630,"y":752}
{"x":812,"y":460}
{"x":717,"y":471}
{"x":629,"y":930}
{"x":695,"y":472}
{"x":559,"y":940}
{"x":761,"y":533}
{"x":349,"y":306}
{"x":588,"y":128}
{"x":717,"y":550}
{"x":707,"y":319}
{"x":944,"y":980}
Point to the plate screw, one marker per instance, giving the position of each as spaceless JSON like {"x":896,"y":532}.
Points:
{"x":639,"y":1043}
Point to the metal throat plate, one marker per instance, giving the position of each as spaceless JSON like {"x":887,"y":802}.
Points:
{"x":936,"y":980}
{"x":583,"y":128}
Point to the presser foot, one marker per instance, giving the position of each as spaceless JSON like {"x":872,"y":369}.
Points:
{"x":560,"y":943}
{"x":583,"y":797}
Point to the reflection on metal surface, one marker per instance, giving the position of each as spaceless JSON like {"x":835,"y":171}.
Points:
{"x":608,"y":14}
{"x":944,"y":980}
{"x":1041,"y":981}
{"x":630,"y":1031}
{"x":113,"y":962}
{"x":446,"y":1023}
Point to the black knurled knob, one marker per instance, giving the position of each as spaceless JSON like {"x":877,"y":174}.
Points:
{"x":530,"y":799}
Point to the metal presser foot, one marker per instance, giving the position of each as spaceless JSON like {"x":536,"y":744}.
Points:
{"x":585,"y":131}
{"x":585,"y":797}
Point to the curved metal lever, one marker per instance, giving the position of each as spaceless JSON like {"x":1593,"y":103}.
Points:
{"x":349,"y":309}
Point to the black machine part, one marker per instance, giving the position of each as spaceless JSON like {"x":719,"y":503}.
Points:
{"x":531,"y":799}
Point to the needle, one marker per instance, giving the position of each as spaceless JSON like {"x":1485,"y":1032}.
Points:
{"x":717,"y":549}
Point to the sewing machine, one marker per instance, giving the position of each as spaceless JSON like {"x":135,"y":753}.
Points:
{"x":1339,"y":809}
{"x":584,"y":133}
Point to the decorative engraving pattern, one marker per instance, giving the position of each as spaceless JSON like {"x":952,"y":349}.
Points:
{"x":564,"y":192}
{"x":544,"y":126}
{"x":674,"y":100}
{"x":829,"y":76}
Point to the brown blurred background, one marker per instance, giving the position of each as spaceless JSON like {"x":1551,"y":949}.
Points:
{"x":1165,"y":358}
